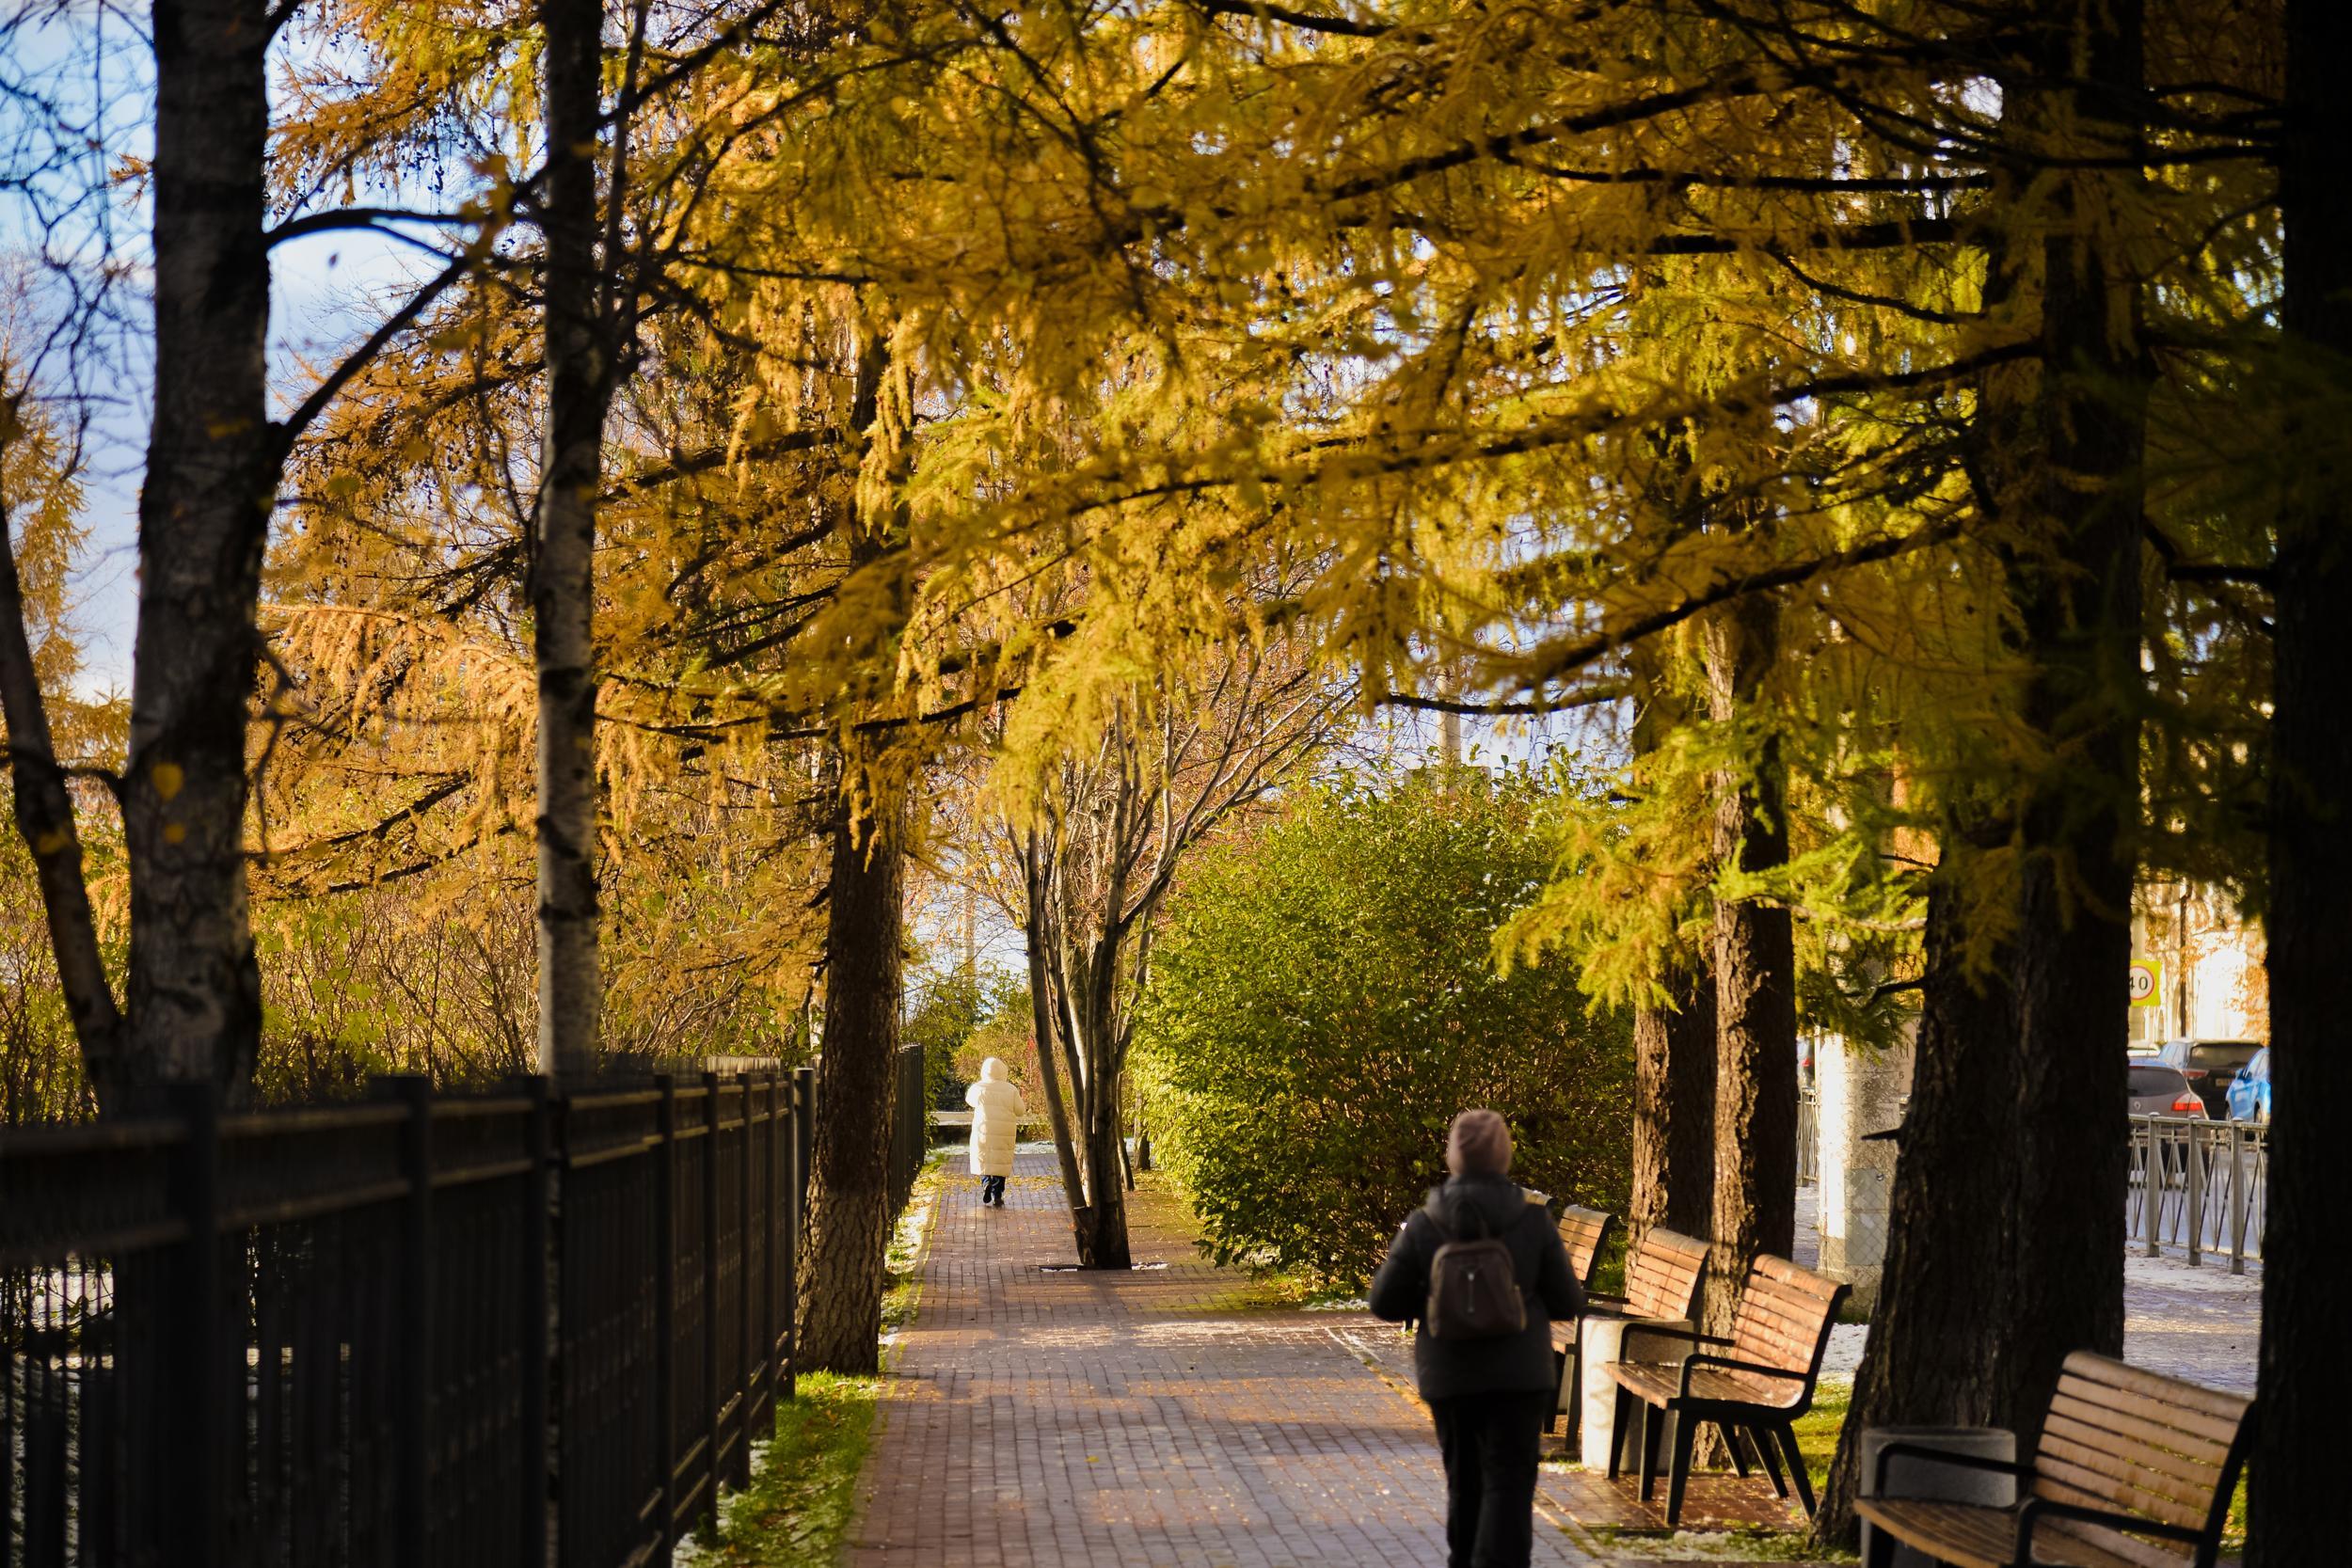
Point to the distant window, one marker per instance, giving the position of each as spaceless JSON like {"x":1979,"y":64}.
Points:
{"x":2229,"y":1055}
{"x":2157,"y":1080}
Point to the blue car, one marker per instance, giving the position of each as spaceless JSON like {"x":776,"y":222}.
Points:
{"x":2250,"y":1091}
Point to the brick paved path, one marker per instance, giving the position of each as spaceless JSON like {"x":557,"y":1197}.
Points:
{"x":1146,"y":1418}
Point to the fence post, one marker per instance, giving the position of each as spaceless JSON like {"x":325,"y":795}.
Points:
{"x":771,"y":1148}
{"x":805,"y":1139}
{"x":2238,"y":1198}
{"x":746,"y":1364}
{"x":796,"y":1207}
{"x":199,"y":1531}
{"x":2151,"y":1186}
{"x":665,"y":1306}
{"x":538,"y":1238}
{"x":713,"y":1404}
{"x":413,"y":1406}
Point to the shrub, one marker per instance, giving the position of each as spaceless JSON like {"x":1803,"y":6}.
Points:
{"x":1324,"y":999}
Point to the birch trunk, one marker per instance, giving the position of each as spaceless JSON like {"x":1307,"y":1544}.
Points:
{"x":563,"y":567}
{"x":193,"y":997}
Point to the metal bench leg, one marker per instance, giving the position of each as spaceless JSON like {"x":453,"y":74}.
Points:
{"x":1686,"y":1433}
{"x":1881,"y":1550}
{"x":1731,"y":1443}
{"x":1617,"y":1433}
{"x":1767,"y":1452}
{"x":1649,"y":1451}
{"x":1572,"y":1380}
{"x":1787,"y":1435}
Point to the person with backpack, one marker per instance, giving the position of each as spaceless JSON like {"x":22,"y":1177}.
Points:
{"x":1480,"y":1270}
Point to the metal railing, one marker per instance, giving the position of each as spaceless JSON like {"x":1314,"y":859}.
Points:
{"x":2198,"y":1186}
{"x":524,"y":1327}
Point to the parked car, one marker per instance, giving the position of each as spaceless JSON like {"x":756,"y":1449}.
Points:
{"x":2162,"y":1091}
{"x":2209,"y":1066}
{"x":2250,"y":1091}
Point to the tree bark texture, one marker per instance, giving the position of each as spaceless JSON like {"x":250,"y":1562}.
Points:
{"x":842,"y":1256}
{"x":563,"y":564}
{"x":1674,"y":1044}
{"x":2006,"y":1230}
{"x":1756,"y":991}
{"x":193,"y":996}
{"x":1674,"y":1111}
{"x":2304,"y":1387}
{"x":1045,"y":1016}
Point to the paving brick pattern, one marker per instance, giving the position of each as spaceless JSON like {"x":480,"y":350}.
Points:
{"x":1039,"y":1417}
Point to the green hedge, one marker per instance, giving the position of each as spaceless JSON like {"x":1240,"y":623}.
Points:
{"x":1325,"y":997}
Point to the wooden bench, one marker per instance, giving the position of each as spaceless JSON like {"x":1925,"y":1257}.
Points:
{"x":1661,"y":1282}
{"x":1761,"y":1386}
{"x":2134,"y":1470}
{"x":1584,"y":1232}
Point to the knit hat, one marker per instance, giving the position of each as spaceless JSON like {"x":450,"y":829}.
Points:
{"x":1478,"y":1145}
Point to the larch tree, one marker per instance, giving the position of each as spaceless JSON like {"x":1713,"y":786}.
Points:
{"x":2300,"y":1388}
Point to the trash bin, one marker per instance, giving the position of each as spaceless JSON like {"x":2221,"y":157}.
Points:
{"x":1604,"y":1340}
{"x":1925,"y":1480}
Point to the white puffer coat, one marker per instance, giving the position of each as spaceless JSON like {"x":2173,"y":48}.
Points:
{"x":996,"y":1110}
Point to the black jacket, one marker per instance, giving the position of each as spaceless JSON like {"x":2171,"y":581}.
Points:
{"x":1513,"y":1363}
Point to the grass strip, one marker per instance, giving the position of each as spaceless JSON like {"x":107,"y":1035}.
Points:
{"x":804,"y":1491}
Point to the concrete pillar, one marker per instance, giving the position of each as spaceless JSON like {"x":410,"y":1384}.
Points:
{"x":1860,"y":1093}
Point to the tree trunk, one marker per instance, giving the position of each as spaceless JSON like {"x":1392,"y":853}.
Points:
{"x":192,"y":1000}
{"x":2302,"y":1386}
{"x":1756,"y":991}
{"x":44,"y":814}
{"x":2007,"y":1250}
{"x":1045,"y":1013}
{"x":563,"y":566}
{"x":1103,"y":1238}
{"x":1674,"y":1045}
{"x":1954,"y":1208}
{"x":842,"y":1258}
{"x":1674,"y":1111}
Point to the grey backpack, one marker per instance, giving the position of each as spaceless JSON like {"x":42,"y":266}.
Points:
{"x":1473,"y":1287}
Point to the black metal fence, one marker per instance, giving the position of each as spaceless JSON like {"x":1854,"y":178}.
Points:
{"x":520,"y":1329}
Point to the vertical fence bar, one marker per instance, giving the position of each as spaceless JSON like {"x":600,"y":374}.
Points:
{"x":2238,"y":1198}
{"x":538,"y":1217}
{"x":712,"y":1403}
{"x":2151,"y":1184}
{"x":2195,"y":1188}
{"x":664,"y":1311}
{"x":412,"y":1404}
{"x":198,"y":1534}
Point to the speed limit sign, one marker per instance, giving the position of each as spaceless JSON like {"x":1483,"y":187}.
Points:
{"x":2147,"y":982}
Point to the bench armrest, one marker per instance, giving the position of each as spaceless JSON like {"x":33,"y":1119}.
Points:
{"x":1665,"y":1329}
{"x":1730,"y":1364}
{"x":2038,"y":1509}
{"x":1939,"y":1456}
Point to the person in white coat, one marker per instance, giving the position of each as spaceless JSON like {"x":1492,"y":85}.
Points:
{"x":996,"y":1111}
